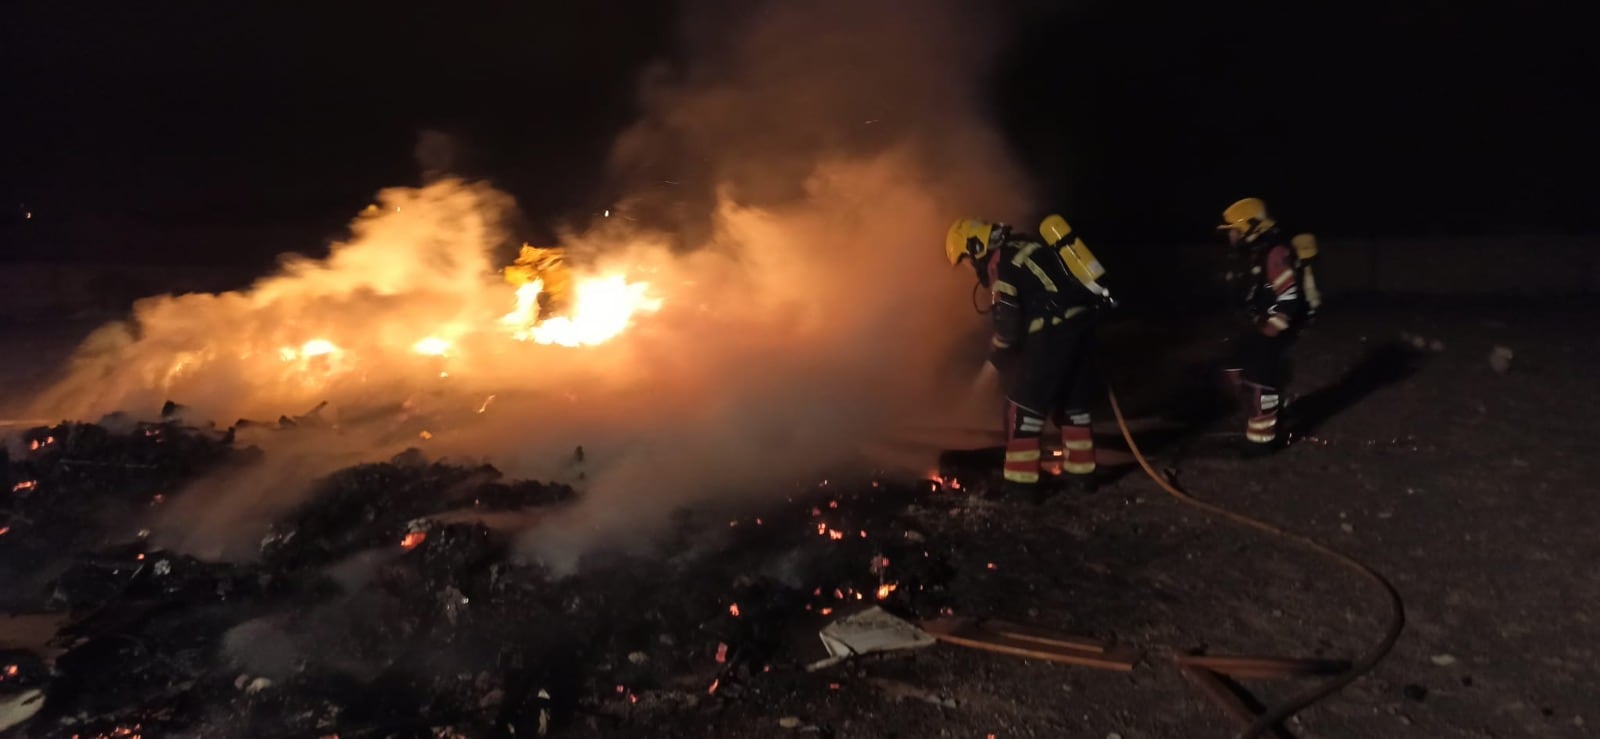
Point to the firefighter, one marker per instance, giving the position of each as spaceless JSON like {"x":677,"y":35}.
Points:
{"x":1270,"y":283}
{"x":1045,"y":299}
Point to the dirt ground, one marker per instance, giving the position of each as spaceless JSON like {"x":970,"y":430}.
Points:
{"x":1470,"y":489}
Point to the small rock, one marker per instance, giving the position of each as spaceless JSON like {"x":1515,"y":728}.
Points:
{"x":789,"y":722}
{"x":1419,"y":343}
{"x":638,"y":658}
{"x":1347,"y":528}
{"x":492,"y":699}
{"x":1414,"y":692}
{"x":915,"y":536}
{"x":1500,"y":359}
{"x":1113,"y":735}
{"x":1443,"y":660}
{"x":257,"y":685}
{"x":1577,"y":721}
{"x":1436,"y":346}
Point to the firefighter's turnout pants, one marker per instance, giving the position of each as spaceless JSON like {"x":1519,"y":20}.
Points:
{"x":1260,"y":371}
{"x":1053,"y":380}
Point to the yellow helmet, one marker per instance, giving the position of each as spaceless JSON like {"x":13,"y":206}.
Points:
{"x":968,"y":237}
{"x":1248,"y":217}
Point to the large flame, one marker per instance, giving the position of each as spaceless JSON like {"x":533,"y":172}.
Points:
{"x":603,"y":307}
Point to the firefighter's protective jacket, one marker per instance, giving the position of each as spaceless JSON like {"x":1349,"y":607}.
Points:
{"x":1032,"y":290}
{"x":1268,"y":284}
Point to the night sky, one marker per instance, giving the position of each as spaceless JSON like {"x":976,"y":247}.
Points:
{"x":128,"y":125}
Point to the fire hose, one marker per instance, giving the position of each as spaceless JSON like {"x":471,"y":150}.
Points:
{"x":1397,"y":618}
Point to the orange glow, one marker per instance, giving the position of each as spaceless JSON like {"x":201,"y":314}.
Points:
{"x":713,"y":689}
{"x":722,"y":652}
{"x":11,"y":670}
{"x":886,"y":589}
{"x":412,"y":539}
{"x":825,"y":611}
{"x":24,"y":485}
{"x":733,"y":609}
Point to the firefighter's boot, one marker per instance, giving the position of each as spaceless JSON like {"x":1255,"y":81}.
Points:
{"x":1023,"y":461}
{"x":1077,"y":443}
{"x":1261,"y":435}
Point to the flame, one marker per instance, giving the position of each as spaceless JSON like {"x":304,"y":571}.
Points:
{"x":603,"y":307}
{"x":733,"y":609}
{"x":432,"y":346}
{"x":412,"y":539}
{"x":24,"y":485}
{"x":887,"y":588}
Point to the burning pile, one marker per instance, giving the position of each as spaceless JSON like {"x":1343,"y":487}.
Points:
{"x":413,"y":297}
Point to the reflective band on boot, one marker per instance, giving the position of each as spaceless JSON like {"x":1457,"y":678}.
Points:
{"x":1263,"y":429}
{"x":1022,"y":461}
{"x":1079,"y":442}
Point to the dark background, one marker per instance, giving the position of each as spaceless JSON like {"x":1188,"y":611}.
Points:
{"x":127,"y":128}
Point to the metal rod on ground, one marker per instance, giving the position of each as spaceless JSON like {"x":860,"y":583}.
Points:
{"x":1397,"y":614}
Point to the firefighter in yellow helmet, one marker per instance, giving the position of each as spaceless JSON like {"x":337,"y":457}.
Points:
{"x":1045,"y":296}
{"x":1270,"y":281}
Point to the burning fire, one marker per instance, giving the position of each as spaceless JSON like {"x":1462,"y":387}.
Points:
{"x":603,"y":308}
{"x":24,"y":485}
{"x":413,"y":539}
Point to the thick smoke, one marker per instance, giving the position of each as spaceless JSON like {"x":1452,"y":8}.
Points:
{"x":821,"y":148}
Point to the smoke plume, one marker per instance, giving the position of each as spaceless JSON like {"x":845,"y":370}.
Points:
{"x":791,"y":182}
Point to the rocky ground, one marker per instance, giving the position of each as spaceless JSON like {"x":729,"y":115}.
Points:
{"x":388,"y":605}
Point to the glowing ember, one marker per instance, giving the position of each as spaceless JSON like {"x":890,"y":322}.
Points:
{"x":24,"y":485}
{"x":835,"y":534}
{"x":412,"y":539}
{"x":5,"y":530}
{"x":11,"y":670}
{"x":713,"y":689}
{"x":722,"y":652}
{"x":991,"y":565}
{"x":432,"y":346}
{"x":886,"y":589}
{"x":733,"y":609}
{"x":825,"y":611}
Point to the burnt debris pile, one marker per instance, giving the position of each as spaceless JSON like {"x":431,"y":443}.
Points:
{"x":397,"y":599}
